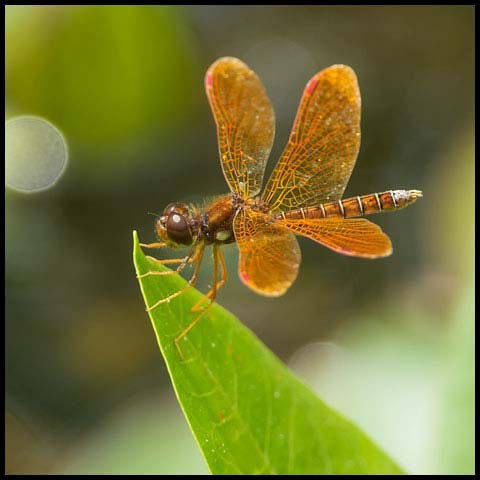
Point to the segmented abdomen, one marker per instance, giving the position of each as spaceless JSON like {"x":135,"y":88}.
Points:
{"x":357,"y":206}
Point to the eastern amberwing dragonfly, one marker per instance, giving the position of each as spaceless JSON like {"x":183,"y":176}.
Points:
{"x":303,"y":195}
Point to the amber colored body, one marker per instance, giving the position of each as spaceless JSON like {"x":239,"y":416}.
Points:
{"x":215,"y":223}
{"x":356,"y":206}
{"x":303,"y":195}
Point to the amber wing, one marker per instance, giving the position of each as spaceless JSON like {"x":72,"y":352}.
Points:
{"x":245,"y":123}
{"x":269,"y":253}
{"x":323,"y":146}
{"x":357,"y":237}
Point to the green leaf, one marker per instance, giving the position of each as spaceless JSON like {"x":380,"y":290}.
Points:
{"x":247,"y":411}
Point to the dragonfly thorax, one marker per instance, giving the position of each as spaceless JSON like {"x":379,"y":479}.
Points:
{"x":216,"y":220}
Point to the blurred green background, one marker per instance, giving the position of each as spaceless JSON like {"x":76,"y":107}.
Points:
{"x":387,"y":342}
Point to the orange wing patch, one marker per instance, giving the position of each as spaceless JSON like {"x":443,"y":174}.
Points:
{"x":357,"y":237}
{"x":269,"y":253}
{"x":318,"y":160}
{"x":245,"y":123}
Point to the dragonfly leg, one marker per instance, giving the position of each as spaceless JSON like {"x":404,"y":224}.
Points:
{"x":187,"y":259}
{"x":197,"y":259}
{"x":190,"y":258}
{"x":153,"y":245}
{"x":182,"y":261}
{"x":210,"y":295}
{"x":213,"y":291}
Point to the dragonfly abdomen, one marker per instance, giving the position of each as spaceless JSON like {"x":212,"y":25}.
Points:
{"x":356,"y":206}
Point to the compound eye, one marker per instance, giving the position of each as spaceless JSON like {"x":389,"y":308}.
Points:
{"x":169,"y":208}
{"x":180,"y":208}
{"x":178,"y":229}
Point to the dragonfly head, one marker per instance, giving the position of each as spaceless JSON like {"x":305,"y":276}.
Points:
{"x":174,"y":225}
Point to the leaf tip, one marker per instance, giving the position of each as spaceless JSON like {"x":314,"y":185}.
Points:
{"x":136,"y":248}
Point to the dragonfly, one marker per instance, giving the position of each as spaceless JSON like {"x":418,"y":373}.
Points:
{"x":303,"y":195}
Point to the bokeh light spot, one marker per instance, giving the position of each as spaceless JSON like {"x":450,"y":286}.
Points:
{"x":35,"y":154}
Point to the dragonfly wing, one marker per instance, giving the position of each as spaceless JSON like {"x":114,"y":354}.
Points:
{"x":356,"y":237}
{"x":269,"y":253}
{"x":323,"y":146}
{"x":245,"y":123}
